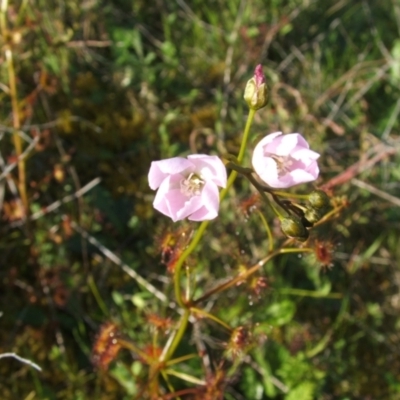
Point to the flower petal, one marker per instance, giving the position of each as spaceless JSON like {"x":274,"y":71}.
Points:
{"x":287,"y":144}
{"x":283,"y":161}
{"x":159,"y":170}
{"x":210,"y":168}
{"x":190,"y":207}
{"x":267,"y":170}
{"x":176,"y":198}
{"x":210,"y":203}
{"x":302,"y":154}
{"x":169,"y":199}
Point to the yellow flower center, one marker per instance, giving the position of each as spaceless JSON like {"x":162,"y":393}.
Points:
{"x":192,"y":185}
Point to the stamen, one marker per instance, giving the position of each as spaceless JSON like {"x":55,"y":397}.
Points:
{"x":283,"y":163}
{"x":192,"y":185}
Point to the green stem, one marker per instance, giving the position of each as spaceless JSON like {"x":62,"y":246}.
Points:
{"x":185,"y":377}
{"x":12,"y":83}
{"x":240,"y":157}
{"x":248,"y":173}
{"x":291,"y":195}
{"x":261,"y":190}
{"x":165,"y":376}
{"x":330,"y":215}
{"x":269,"y":233}
{"x":309,"y":293}
{"x":183,"y":257}
{"x":96,"y":294}
{"x":16,"y":125}
{"x":169,"y":351}
{"x":180,"y":359}
{"x":212,"y":317}
{"x":199,"y":234}
{"x":246,"y":133}
{"x":3,"y":11}
{"x":129,"y":345}
{"x":244,"y":275}
{"x":301,"y":250}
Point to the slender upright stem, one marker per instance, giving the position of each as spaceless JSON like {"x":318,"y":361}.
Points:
{"x":199,"y":234}
{"x":167,"y":353}
{"x":178,"y":267}
{"x":15,"y":108}
{"x":3,"y":10}
{"x":173,"y":344}
{"x":16,"y":125}
{"x":269,"y":232}
{"x":246,"y":134}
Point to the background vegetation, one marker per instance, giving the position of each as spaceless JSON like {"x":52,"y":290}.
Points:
{"x":102,"y":89}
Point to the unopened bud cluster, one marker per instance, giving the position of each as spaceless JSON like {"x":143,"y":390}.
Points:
{"x":318,"y":203}
{"x":295,"y":226}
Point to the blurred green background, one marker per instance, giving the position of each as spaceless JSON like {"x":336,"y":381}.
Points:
{"x":104,"y":88}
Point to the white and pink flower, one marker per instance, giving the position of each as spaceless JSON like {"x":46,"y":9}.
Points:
{"x":188,"y":187}
{"x":283,"y":161}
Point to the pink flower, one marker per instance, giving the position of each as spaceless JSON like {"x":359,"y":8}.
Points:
{"x":188,"y":187}
{"x":283,"y":161}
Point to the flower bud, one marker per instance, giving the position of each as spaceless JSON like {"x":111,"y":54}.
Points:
{"x":318,"y":199}
{"x":306,"y":222}
{"x":256,"y":91}
{"x":292,"y":227}
{"x":313,"y":215}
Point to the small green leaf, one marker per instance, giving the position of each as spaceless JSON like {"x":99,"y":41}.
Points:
{"x":281,"y":313}
{"x":304,"y":391}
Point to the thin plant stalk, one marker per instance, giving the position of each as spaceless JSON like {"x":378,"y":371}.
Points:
{"x":269,"y":232}
{"x":172,"y":345}
{"x":244,"y":275}
{"x":199,"y":234}
{"x":212,"y":317}
{"x":15,"y":109}
{"x":168,"y":351}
